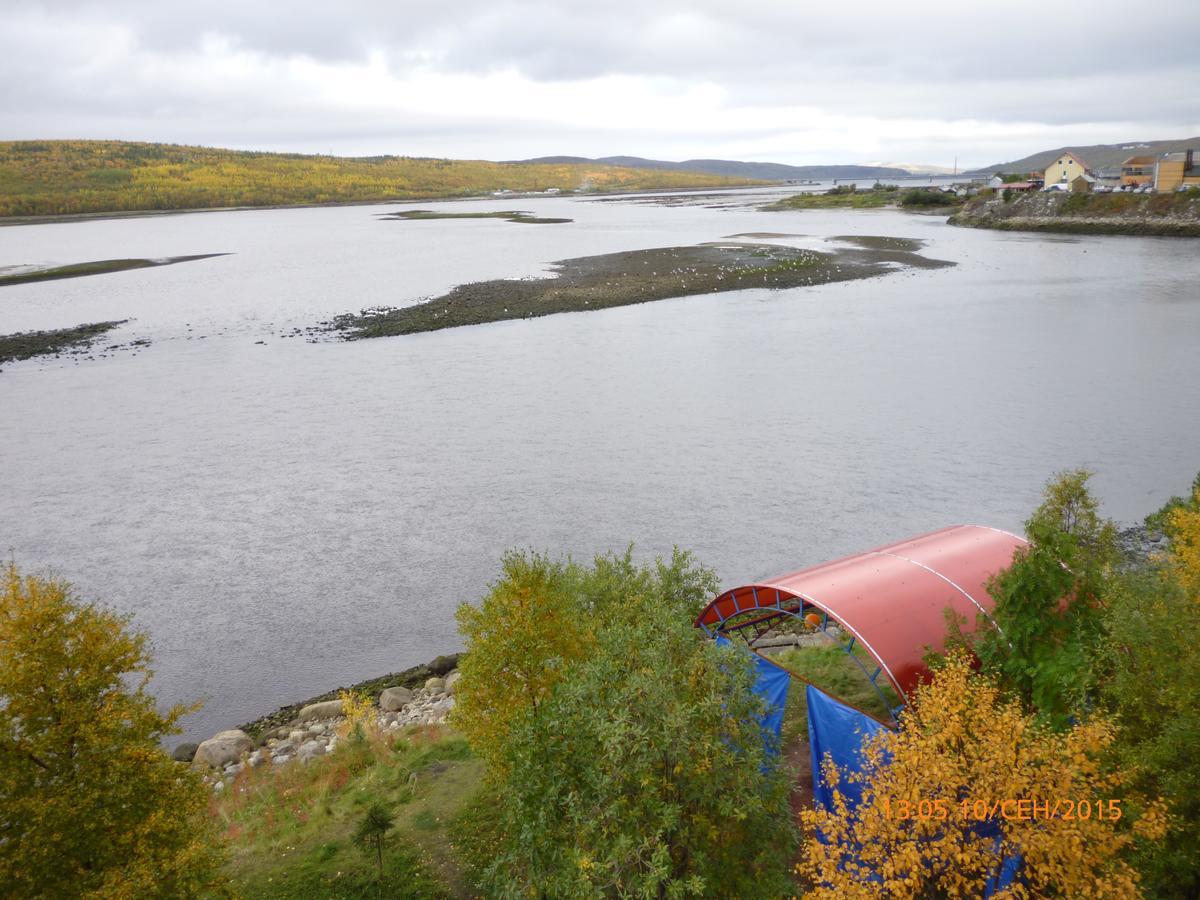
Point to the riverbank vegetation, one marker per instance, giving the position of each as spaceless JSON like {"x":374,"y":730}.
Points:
{"x":602,"y":747}
{"x":47,"y":178}
{"x":878,"y":196}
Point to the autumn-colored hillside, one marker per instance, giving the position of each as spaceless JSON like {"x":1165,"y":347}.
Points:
{"x":60,"y":177}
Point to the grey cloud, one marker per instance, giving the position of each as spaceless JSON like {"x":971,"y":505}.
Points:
{"x":1050,"y":65}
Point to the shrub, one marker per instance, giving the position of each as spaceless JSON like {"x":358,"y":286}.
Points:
{"x":922,"y":197}
{"x":940,"y":808}
{"x":646,"y":773}
{"x":518,"y":642}
{"x":92,"y":805}
{"x":1048,"y":603}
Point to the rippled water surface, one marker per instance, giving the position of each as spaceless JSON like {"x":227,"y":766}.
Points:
{"x":283,"y":517}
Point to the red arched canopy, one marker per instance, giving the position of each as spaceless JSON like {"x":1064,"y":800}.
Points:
{"x":892,"y":600}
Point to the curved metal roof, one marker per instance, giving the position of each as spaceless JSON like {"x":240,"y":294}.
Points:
{"x":892,"y":599}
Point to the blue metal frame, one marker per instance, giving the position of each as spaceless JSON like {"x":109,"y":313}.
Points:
{"x":777,"y":606}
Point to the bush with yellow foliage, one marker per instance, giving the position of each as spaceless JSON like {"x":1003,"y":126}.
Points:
{"x":969,"y":780}
{"x":90,"y":805}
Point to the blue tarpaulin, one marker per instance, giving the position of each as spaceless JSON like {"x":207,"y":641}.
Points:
{"x":772,"y":685}
{"x":837,"y":730}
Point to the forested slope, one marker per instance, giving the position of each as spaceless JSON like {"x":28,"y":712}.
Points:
{"x":63,"y":177}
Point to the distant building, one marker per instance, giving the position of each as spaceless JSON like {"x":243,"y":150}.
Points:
{"x":1083,"y":183}
{"x":1176,"y":170}
{"x":1138,"y":170}
{"x":1064,"y":169}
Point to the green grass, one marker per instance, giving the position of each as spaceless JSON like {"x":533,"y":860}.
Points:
{"x":835,"y":199}
{"x":833,"y":671}
{"x":288,"y":829}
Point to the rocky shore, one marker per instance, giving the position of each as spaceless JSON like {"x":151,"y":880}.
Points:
{"x":410,"y":678}
{"x":1170,"y":215}
{"x":303,"y":732}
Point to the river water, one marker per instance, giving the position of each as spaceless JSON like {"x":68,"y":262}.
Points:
{"x":283,"y":516}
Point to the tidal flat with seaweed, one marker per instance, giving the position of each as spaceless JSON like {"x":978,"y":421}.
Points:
{"x":639,"y":276}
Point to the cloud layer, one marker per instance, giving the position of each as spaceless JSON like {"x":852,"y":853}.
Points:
{"x":786,"y":82}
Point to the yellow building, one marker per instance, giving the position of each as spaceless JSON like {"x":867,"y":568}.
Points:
{"x":1175,"y":170}
{"x":1138,"y":170}
{"x":1065,"y":169}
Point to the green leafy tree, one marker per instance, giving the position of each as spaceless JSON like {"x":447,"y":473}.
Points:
{"x":681,"y":585}
{"x":1153,"y":661}
{"x":371,"y":835}
{"x":645,"y":772}
{"x":541,"y":616}
{"x":1048,"y":604}
{"x":518,"y":642}
{"x":92,"y":806}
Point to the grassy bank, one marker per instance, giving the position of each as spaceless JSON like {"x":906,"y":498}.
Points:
{"x":289,"y":829}
{"x":622,"y":279}
{"x":879,"y":196}
{"x":43,"y":178}
{"x":1169,"y":215}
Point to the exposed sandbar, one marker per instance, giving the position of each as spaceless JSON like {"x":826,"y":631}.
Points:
{"x":640,"y":276}
{"x":509,"y":215}
{"x":28,"y":344}
{"x":97,"y":267}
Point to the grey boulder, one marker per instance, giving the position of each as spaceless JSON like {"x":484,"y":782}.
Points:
{"x":394,"y":698}
{"x":223,"y":748}
{"x":330,"y":709}
{"x":309,"y":750}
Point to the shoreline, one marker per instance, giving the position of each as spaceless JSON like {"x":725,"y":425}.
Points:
{"x":64,"y":218}
{"x":1059,"y":212}
{"x":412,"y":677}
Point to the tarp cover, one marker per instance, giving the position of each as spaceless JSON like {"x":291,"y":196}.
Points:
{"x":839,"y":731}
{"x":772,"y":685}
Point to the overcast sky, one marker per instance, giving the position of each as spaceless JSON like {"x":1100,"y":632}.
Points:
{"x":788,"y":82}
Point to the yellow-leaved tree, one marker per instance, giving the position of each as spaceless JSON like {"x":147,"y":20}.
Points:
{"x":969,"y":780}
{"x":90,"y":805}
{"x":519,"y":642}
{"x":1183,"y":525}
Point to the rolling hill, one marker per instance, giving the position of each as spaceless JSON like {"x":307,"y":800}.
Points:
{"x":731,"y":168}
{"x":70,"y":177}
{"x":1097,"y":156}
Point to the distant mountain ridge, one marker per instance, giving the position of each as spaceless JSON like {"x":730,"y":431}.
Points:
{"x":762,"y":171}
{"x":1097,"y":156}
